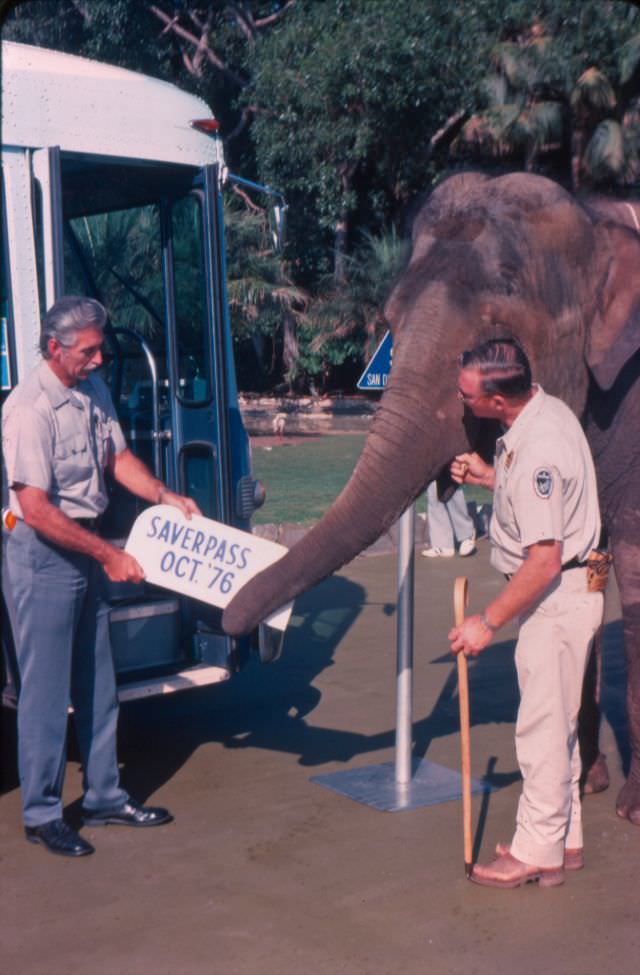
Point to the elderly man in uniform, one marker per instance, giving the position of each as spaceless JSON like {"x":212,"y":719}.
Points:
{"x":545,"y":524}
{"x":60,"y":434}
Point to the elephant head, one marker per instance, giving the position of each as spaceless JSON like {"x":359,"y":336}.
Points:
{"x":513,"y":255}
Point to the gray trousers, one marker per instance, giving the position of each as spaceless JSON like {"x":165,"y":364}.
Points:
{"x":450,"y":521}
{"x":61,"y":628}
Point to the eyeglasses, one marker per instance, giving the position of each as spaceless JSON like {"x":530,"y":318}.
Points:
{"x":470,"y":397}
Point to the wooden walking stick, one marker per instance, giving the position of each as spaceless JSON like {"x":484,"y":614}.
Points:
{"x":460,"y":598}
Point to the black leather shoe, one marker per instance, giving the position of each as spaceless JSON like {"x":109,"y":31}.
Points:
{"x":59,"y":838}
{"x":131,"y":814}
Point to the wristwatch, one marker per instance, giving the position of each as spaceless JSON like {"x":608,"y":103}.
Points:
{"x":488,"y":625}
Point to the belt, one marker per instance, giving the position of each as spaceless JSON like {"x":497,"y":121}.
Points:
{"x":573,"y":563}
{"x":89,"y":523}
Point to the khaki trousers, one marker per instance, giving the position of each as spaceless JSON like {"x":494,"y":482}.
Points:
{"x":551,"y":657}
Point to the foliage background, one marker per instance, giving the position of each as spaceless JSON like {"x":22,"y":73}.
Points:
{"x":354,"y":108}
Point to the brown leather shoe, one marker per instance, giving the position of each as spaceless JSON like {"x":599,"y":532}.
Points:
{"x":573,"y":859}
{"x":507,"y":872}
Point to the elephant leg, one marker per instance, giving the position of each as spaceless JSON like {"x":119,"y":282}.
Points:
{"x":627,"y":565}
{"x":595,"y":774}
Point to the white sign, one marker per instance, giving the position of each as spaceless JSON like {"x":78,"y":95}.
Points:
{"x":201,"y":558}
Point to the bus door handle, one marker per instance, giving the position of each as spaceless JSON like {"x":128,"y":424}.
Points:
{"x":156,"y":434}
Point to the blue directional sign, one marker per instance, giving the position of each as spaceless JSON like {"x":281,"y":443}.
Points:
{"x":377,"y":372}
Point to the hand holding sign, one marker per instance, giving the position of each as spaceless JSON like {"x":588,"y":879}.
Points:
{"x":201,"y":558}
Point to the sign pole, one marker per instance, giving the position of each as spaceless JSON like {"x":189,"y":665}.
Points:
{"x":409,"y":784}
{"x":404,"y":664}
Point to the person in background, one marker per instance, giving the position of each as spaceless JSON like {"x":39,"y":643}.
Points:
{"x":448,"y":521}
{"x":60,"y":435}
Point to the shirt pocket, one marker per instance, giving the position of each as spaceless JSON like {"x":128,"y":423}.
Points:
{"x":103,"y":440}
{"x":72,"y":460}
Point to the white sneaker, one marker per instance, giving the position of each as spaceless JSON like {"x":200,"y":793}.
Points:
{"x":438,"y":553}
{"x":467,"y":547}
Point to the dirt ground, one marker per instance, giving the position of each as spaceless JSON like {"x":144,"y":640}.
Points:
{"x":265,"y":872}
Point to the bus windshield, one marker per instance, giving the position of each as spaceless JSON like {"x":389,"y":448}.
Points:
{"x":144,"y":261}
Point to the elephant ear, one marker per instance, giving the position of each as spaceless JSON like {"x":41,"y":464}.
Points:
{"x":614,"y":336}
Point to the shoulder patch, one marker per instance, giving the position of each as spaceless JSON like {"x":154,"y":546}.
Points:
{"x":543,"y":482}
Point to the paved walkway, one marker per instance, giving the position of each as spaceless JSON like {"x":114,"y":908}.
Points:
{"x":266,"y":873}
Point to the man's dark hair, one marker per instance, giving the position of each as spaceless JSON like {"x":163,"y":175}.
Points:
{"x":503,"y":366}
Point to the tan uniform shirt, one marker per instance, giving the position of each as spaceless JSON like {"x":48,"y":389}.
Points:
{"x":60,"y":439}
{"x":545,"y":486}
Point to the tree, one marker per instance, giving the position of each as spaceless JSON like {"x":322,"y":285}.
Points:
{"x":265,"y":306}
{"x":348,"y":94}
{"x":349,"y":107}
{"x":562,"y":95}
{"x":346,"y":321}
{"x":108,"y":30}
{"x":204,"y":46}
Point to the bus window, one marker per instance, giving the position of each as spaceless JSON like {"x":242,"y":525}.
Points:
{"x":192,"y":333}
{"x":197,"y":462}
{"x":117,"y":257}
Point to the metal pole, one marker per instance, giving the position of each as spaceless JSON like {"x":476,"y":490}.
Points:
{"x":404,"y":666}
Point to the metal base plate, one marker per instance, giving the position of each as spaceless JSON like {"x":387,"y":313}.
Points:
{"x":376,"y":786}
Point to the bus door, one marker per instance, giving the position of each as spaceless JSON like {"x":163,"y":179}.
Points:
{"x":146,"y":241}
{"x":195,"y":311}
{"x":198,"y":357}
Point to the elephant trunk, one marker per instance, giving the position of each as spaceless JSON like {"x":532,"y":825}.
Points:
{"x":390,"y":474}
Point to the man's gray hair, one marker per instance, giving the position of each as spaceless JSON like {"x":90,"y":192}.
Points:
{"x":67,"y":317}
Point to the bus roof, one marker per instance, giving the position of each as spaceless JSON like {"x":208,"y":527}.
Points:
{"x":55,"y":99}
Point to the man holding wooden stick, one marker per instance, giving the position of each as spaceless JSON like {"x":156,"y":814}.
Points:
{"x":544,"y":532}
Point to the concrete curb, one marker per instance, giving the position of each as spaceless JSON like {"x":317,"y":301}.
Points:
{"x":265,"y":415}
{"x":288,"y":534}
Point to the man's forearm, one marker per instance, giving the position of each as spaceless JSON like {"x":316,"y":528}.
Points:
{"x":523,"y":590}
{"x":57,"y":527}
{"x":137,"y":478}
{"x":129,"y":471}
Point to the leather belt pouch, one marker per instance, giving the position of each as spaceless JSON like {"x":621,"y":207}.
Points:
{"x":598,"y":570}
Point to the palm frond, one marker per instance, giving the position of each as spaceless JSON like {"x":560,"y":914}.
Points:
{"x":604,"y":156}
{"x":593,"y":94}
{"x":539,"y":125}
{"x":495,"y":90}
{"x":629,"y":59}
{"x":489,"y":131}
{"x":511,"y":60}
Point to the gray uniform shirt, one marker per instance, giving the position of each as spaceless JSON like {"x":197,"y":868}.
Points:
{"x":60,"y":439}
{"x":545,"y":486}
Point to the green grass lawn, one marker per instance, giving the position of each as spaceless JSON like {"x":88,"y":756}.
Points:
{"x":303,"y":479}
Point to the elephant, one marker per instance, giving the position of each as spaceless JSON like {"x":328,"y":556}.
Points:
{"x":494,"y":256}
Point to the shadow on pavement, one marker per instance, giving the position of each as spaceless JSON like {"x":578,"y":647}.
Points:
{"x":265,"y":707}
